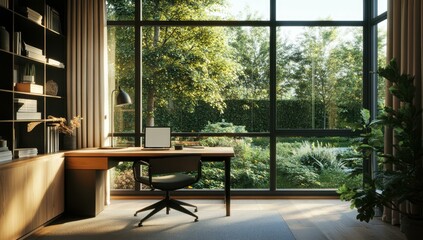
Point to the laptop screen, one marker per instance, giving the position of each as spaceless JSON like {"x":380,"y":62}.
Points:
{"x":157,"y":137}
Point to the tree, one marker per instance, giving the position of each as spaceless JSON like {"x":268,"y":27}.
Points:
{"x":183,"y":64}
{"x":323,"y":69}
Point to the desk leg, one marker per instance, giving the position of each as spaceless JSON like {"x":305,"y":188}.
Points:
{"x":228,"y":186}
{"x":85,"y":192}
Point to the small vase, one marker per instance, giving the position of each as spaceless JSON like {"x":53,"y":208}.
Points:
{"x":4,"y":38}
{"x":69,"y":142}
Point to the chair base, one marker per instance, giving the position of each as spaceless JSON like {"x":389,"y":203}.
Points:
{"x":167,"y":203}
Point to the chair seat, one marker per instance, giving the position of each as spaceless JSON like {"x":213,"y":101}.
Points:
{"x":172,"y":181}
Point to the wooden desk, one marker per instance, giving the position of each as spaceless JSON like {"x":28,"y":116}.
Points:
{"x":86,"y":172}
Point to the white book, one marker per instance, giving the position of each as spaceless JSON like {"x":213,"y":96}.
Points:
{"x":33,"y":49}
{"x":25,"y":152}
{"x":6,"y":157}
{"x":33,"y":13}
{"x":55,"y":63}
{"x":35,"y":56}
{"x":26,"y":105}
{"x":28,"y":115}
{"x":5,"y":153}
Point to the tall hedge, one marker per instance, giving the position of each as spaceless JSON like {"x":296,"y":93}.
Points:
{"x":254,"y":114}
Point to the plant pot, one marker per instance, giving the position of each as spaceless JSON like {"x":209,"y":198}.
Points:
{"x":28,"y":78}
{"x":69,"y":142}
{"x":412,"y":227}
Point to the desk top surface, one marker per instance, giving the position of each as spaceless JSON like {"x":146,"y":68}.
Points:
{"x":138,"y":151}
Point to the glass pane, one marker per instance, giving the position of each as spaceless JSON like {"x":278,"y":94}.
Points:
{"x":206,"y":10}
{"x":120,"y":10}
{"x":249,"y":167}
{"x":381,"y":59}
{"x":319,"y":10}
{"x":382,"y":6}
{"x":319,"y":77}
{"x":195,"y":75}
{"x":315,"y":163}
{"x":121,"y":73}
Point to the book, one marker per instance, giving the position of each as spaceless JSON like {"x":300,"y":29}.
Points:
{"x":39,"y":57}
{"x":55,"y":63}
{"x":25,"y":152}
{"x":17,"y":46}
{"x":29,"y":87}
{"x":28,"y":115}
{"x":32,"y":49}
{"x":5,"y":153}
{"x":6,"y":156}
{"x":34,"y":16}
{"x":26,"y":105}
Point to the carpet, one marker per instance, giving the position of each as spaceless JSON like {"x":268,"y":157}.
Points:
{"x":118,"y":222}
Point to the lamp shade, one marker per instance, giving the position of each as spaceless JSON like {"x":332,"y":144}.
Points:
{"x":122,"y":98}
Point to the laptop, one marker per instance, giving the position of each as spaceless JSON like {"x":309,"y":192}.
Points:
{"x":157,"y":138}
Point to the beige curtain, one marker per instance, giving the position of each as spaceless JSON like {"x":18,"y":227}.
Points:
{"x":86,"y":68}
{"x":403,"y":43}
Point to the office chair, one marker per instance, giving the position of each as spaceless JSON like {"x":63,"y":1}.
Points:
{"x":168,"y":174}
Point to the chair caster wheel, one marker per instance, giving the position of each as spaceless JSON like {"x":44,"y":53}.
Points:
{"x":135,"y":215}
{"x":139,"y":224}
{"x":195,"y":210}
{"x":196,"y":220}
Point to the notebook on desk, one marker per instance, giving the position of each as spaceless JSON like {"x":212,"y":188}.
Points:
{"x":157,"y":138}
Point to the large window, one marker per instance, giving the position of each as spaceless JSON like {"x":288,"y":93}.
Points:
{"x":280,"y":81}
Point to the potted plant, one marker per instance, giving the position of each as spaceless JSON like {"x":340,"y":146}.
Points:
{"x":68,"y":129}
{"x":29,"y":73}
{"x":403,"y":183}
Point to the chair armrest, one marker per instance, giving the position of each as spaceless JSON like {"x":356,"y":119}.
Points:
{"x":136,"y":172}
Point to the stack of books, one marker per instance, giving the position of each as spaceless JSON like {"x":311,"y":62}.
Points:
{"x":25,"y":152}
{"x":5,"y":153}
{"x":4,"y":3}
{"x":27,"y":109}
{"x":29,"y":87}
{"x":34,"y":16}
{"x":34,"y":52}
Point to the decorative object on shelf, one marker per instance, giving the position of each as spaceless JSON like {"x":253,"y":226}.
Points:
{"x":68,"y":129}
{"x":69,"y":138}
{"x":4,"y":39}
{"x":29,"y":74}
{"x":52,"y":88}
{"x":122,"y":98}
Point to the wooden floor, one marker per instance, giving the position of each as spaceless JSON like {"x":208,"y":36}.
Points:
{"x":314,"y":219}
{"x":324,"y":219}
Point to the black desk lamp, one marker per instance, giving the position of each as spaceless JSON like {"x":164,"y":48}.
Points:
{"x":122,"y":98}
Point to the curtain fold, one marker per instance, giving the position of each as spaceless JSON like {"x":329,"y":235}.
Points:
{"x":404,"y":40}
{"x":86,"y":68}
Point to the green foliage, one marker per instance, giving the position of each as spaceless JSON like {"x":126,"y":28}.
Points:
{"x":402,"y":182}
{"x":249,"y":113}
{"x":123,"y":176}
{"x":311,"y":164}
{"x":29,"y":70}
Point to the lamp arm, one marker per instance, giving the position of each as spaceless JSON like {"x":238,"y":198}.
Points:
{"x":112,"y":113}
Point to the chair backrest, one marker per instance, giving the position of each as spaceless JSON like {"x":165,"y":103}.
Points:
{"x":172,"y":164}
{"x":167,"y":165}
